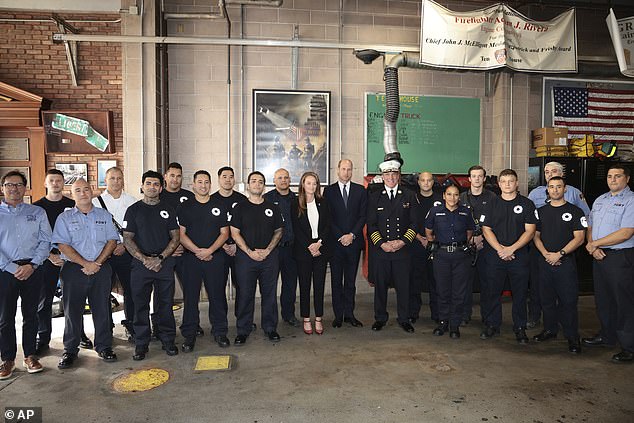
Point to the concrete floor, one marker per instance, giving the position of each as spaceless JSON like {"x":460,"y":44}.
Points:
{"x":346,"y":375}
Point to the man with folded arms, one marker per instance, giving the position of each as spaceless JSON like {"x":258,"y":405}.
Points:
{"x":86,"y":237}
{"x":25,"y":241}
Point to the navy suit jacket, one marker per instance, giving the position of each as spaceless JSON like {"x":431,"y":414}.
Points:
{"x":350,"y":219}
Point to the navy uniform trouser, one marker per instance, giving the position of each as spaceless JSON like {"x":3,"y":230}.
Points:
{"x":50,"y":277}
{"x":142,"y":282}
{"x":535,"y":280}
{"x":452,"y":274}
{"x":398,"y":272}
{"x":121,"y":268}
{"x":421,"y":278}
{"x":248,"y":273}
{"x":179,"y":270}
{"x":312,"y":272}
{"x":288,"y":272}
{"x":28,"y":291}
{"x":230,"y":266}
{"x":559,"y":294}
{"x":517,"y":272}
{"x":614,"y":296}
{"x":77,"y":287}
{"x":210,"y":273}
{"x":344,"y":265}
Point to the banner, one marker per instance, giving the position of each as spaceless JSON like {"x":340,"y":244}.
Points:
{"x":622,"y":34}
{"x":497,"y":36}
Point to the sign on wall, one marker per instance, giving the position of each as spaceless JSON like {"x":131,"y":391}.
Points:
{"x":622,"y":34}
{"x":497,"y":36}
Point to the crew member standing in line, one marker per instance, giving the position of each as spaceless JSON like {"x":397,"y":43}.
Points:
{"x":539,"y":196}
{"x":86,"y":237}
{"x":117,"y":201}
{"x":151,"y":234}
{"x":25,"y":242}
{"x":422,"y":274}
{"x":203,"y":231}
{"x":611,"y":243}
{"x":229,"y":198}
{"x":256,"y":227}
{"x":311,"y":225}
{"x":174,"y":194}
{"x":282,"y":196}
{"x":560,"y":231}
{"x":508,"y":224}
{"x":391,"y":228}
{"x":450,"y":226}
{"x":348,"y":204}
{"x":54,"y":203}
{"x":476,"y":199}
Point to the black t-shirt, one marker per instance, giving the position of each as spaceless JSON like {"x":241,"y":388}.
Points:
{"x":477,"y":203}
{"x":203,"y":221}
{"x":228,"y":203}
{"x":151,"y":225}
{"x":175,"y":199}
{"x":507,"y":218}
{"x":256,"y":222}
{"x":424,"y":205}
{"x":54,"y":208}
{"x":557,"y":225}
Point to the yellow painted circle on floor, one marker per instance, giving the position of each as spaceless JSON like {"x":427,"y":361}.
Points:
{"x":140,"y":380}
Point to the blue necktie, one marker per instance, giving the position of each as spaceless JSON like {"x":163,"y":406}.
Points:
{"x":345,"y":195}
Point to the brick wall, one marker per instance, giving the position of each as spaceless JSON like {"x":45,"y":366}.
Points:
{"x":31,"y":61}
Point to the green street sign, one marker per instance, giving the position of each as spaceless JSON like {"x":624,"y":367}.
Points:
{"x":82,"y":128}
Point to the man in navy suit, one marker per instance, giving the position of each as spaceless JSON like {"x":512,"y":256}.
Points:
{"x":348,"y":207}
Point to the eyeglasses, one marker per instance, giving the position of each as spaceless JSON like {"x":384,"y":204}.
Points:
{"x":11,"y":185}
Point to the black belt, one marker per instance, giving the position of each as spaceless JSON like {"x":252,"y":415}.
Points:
{"x":151,"y":255}
{"x":454,"y":246}
{"x":22,"y":262}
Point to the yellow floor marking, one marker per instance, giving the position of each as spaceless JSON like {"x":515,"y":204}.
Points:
{"x":213,"y":362}
{"x":141,"y":380}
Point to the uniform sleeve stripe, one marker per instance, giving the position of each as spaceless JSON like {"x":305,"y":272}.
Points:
{"x":410,"y":234}
{"x":375,"y":237}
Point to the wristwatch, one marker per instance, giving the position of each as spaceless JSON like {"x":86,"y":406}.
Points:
{"x":562,"y":252}
{"x":160,"y":256}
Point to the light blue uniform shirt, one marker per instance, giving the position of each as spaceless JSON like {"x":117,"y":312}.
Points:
{"x":611,"y":213}
{"x":86,"y":233}
{"x":24,"y":233}
{"x":572,"y":195}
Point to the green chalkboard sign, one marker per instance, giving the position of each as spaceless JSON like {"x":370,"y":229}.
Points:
{"x":435,"y":134}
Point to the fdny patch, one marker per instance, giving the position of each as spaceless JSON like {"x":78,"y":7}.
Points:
{"x":536,"y":215}
{"x":30,"y":218}
{"x":566,"y":217}
{"x":268,"y":212}
{"x":482,"y":218}
{"x":182,"y":199}
{"x":437,"y":203}
{"x":584,"y":222}
{"x":518,"y":209}
{"x":164,"y":214}
{"x":215,"y":211}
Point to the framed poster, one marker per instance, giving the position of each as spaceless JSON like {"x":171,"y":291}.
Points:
{"x":102,"y":168}
{"x":78,"y":132}
{"x":24,"y":169}
{"x":14,"y":149}
{"x":291,"y":130}
{"x":73,"y":171}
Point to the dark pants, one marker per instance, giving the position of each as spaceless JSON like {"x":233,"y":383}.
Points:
{"x":77,"y":287}
{"x":230,"y":266}
{"x":211,"y":273}
{"x":142,"y":282}
{"x":50,"y":277}
{"x":422,"y":279}
{"x":315,"y":270}
{"x":248,"y":273}
{"x":534,"y":283}
{"x":559,"y":294}
{"x":344,"y":265}
{"x":121,"y":268}
{"x":517,"y":272}
{"x":452,"y":271}
{"x":288,"y":271}
{"x":179,"y":270}
{"x":614,"y":296}
{"x":28,"y":291}
{"x":398,"y":272}
{"x":477,"y":278}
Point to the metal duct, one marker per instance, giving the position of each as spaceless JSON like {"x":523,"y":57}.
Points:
{"x":392,"y":108}
{"x":272,"y":3}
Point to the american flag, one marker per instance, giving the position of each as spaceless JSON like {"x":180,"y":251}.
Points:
{"x":606,"y":114}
